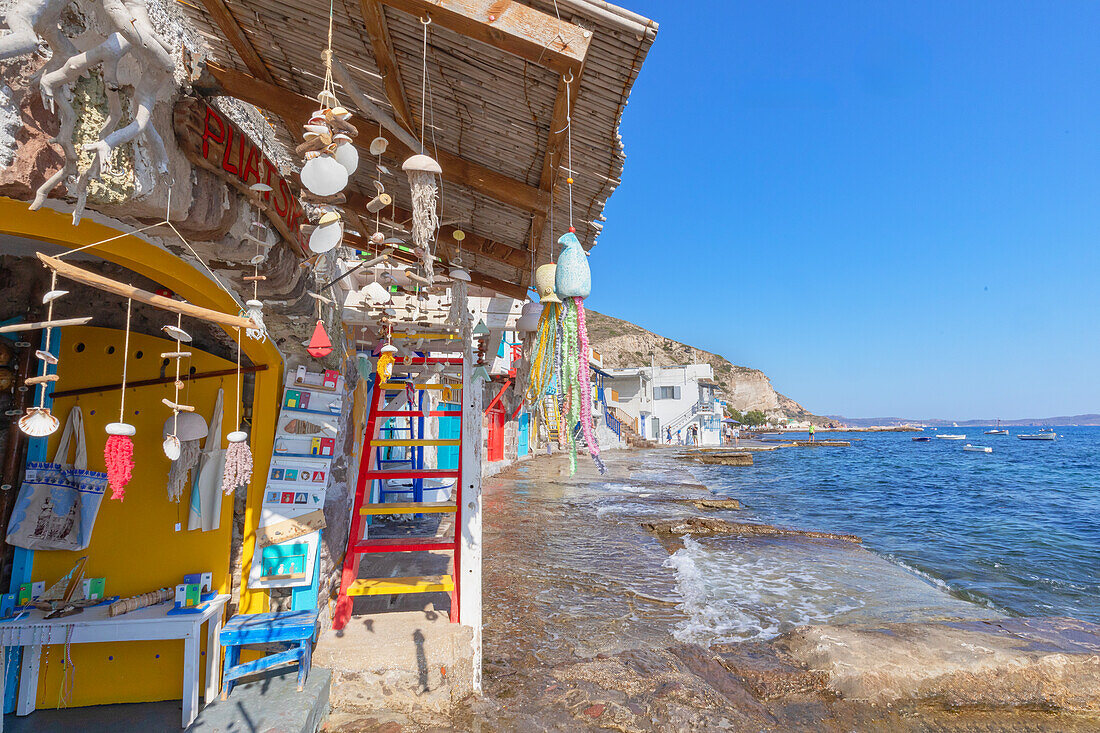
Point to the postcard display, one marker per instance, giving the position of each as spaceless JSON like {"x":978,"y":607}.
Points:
{"x":292,"y":515}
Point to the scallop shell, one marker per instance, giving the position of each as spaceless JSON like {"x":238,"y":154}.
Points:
{"x":171,"y":447}
{"x":38,"y":422}
{"x":378,"y":145}
{"x":347,"y":155}
{"x":324,"y":176}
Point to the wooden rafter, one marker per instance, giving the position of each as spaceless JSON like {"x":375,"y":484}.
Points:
{"x":228,"y":24}
{"x":379,"y":33}
{"x":510,"y":26}
{"x":292,"y":106}
{"x":473,"y":243}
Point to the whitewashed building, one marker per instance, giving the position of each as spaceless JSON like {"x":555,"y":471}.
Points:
{"x":670,"y":403}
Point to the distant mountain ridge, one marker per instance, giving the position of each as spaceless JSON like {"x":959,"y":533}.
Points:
{"x":866,"y":422}
{"x":622,"y":344}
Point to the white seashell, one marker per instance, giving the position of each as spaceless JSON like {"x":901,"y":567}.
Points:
{"x":378,"y":238}
{"x":177,"y":333}
{"x":377,"y":293}
{"x":383,"y":170}
{"x":120,"y":428}
{"x":318,"y":129}
{"x":323,"y":176}
{"x":171,"y":447}
{"x":327,"y":98}
{"x":258,"y":259}
{"x":53,"y":295}
{"x":421,"y":162}
{"x":378,"y":145}
{"x":457,"y":273}
{"x":326,"y":236}
{"x":340,"y":112}
{"x":46,"y":357}
{"x":348,"y":156}
{"x":237,"y":436}
{"x":38,"y":422}
{"x":260,"y":187}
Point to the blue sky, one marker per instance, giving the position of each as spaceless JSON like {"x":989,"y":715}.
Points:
{"x":891,"y":208}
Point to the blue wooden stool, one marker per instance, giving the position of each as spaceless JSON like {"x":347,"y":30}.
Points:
{"x":293,"y":630}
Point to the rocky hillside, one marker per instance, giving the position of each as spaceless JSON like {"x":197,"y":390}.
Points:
{"x":622,"y":344}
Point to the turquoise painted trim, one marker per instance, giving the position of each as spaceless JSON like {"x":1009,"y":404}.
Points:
{"x":304,"y":597}
{"x":23,"y":562}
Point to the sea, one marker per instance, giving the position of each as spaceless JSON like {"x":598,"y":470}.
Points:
{"x":1014,"y":532}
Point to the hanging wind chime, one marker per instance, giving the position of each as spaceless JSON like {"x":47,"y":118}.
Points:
{"x":118,"y":453}
{"x":238,"y":456}
{"x":184,"y":428}
{"x":39,"y":422}
{"x":422,"y":170}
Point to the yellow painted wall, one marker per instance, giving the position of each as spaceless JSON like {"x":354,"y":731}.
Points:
{"x":188,"y":282}
{"x":135,"y":544}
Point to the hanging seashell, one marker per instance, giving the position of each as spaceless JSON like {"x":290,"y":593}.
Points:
{"x":38,"y":422}
{"x":46,"y":357}
{"x":328,"y":233}
{"x":327,"y":98}
{"x":257,"y":260}
{"x":347,"y":155}
{"x":171,"y":447}
{"x":176,"y":333}
{"x":378,"y":145}
{"x":260,"y":188}
{"x":377,"y":293}
{"x":459,"y":273}
{"x":377,"y":238}
{"x":324,"y":176}
{"x":53,"y":295}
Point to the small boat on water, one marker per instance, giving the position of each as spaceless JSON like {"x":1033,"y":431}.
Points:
{"x":977,"y":448}
{"x":996,"y":432}
{"x":1041,"y":435}
{"x":948,"y":436}
{"x":922,"y":439}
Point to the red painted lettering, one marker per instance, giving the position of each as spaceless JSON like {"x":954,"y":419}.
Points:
{"x":208,"y":132}
{"x":252,"y":166}
{"x":284,"y":191}
{"x":268,"y":170}
{"x":226,"y":165}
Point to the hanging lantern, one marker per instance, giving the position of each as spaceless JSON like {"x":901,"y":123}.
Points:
{"x":529,"y":317}
{"x":319,"y":345}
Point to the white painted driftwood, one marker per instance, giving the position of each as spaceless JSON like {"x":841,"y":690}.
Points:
{"x":130,"y":33}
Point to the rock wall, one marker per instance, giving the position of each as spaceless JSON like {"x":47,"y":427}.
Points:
{"x":623,"y":344}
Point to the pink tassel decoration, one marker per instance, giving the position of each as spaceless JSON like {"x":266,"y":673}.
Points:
{"x":118,"y":455}
{"x":586,"y":387}
{"x":238,"y":462}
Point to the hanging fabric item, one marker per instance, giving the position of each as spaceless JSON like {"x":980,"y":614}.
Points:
{"x":204,"y":511}
{"x":118,"y":453}
{"x":238,"y":456}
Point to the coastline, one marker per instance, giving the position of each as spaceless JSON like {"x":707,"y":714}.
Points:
{"x":588,"y":625}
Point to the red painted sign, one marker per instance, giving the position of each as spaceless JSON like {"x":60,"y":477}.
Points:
{"x":212,"y":141}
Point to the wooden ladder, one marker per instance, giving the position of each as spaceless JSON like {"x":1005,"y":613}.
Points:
{"x":371,"y":469}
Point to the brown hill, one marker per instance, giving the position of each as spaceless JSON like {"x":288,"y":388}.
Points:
{"x":623,"y":344}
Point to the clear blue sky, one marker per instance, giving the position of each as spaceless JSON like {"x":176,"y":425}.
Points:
{"x":891,"y":208}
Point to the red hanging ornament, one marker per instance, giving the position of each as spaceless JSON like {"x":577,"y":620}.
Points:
{"x":319,"y":346}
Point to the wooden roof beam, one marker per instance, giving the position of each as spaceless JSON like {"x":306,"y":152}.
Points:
{"x":510,"y":26}
{"x":223,"y":16}
{"x":379,"y":33}
{"x":292,"y":106}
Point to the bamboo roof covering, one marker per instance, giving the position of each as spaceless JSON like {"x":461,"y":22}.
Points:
{"x":494,"y":103}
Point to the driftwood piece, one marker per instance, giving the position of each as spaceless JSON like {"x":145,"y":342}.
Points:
{"x":133,"y":603}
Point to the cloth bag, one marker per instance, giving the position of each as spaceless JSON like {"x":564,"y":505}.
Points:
{"x":58,"y":503}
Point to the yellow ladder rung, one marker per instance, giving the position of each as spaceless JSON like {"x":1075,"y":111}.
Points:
{"x":393,"y":586}
{"x":410,"y":507}
{"x":402,"y":385}
{"x":407,"y":443}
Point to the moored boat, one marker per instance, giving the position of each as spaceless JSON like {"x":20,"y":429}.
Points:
{"x":1041,"y":435}
{"x":922,"y":439}
{"x":977,"y":448}
{"x":996,"y":432}
{"x":948,"y":436}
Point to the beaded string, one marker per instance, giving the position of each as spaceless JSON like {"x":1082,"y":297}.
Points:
{"x":586,"y":391}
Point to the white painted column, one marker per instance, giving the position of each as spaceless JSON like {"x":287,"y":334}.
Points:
{"x":470,"y":590}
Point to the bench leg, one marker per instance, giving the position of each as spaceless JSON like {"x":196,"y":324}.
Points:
{"x":232,"y":659}
{"x":303,"y":664}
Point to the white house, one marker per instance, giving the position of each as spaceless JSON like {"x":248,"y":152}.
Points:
{"x":670,"y":403}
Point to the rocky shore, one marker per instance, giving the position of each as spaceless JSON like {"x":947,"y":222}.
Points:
{"x":580,"y":610}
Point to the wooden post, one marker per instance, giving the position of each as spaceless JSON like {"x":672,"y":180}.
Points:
{"x":470,"y":548}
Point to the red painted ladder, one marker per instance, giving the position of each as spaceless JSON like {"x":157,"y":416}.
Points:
{"x":351,"y":584}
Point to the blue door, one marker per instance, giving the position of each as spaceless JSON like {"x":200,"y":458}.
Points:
{"x":449,"y":428}
{"x":522,"y":441}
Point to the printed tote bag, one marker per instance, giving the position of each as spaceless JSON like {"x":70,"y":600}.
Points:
{"x":58,"y":503}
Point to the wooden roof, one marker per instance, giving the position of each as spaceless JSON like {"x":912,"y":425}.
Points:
{"x":495,"y":112}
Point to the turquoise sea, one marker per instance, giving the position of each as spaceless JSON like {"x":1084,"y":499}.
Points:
{"x":1017,"y":530}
